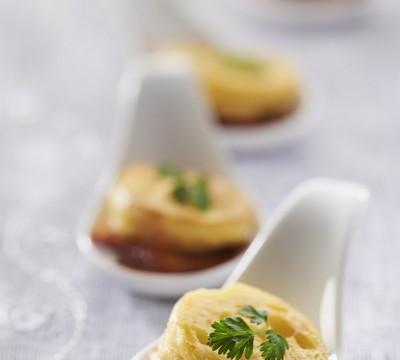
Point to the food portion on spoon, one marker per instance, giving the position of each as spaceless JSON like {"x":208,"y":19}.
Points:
{"x":244,"y":89}
{"x":237,"y":322}
{"x":160,"y":218}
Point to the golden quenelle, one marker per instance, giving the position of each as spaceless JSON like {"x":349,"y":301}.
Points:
{"x":244,"y":89}
{"x":141,"y":207}
{"x":162,"y":218}
{"x":190,"y":324}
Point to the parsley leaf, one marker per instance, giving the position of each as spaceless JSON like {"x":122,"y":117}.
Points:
{"x":242,"y":62}
{"x":180,"y":192}
{"x":255,"y":316}
{"x":167,"y":169}
{"x":187,"y":192}
{"x":232,"y":337}
{"x":199,"y":194}
{"x":274,"y":347}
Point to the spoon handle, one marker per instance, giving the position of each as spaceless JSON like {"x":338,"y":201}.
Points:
{"x":299,"y":254}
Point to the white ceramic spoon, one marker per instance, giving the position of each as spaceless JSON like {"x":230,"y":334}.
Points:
{"x":205,"y":16}
{"x":299,"y":254}
{"x":165,"y":22}
{"x":162,"y":117}
{"x":303,"y":13}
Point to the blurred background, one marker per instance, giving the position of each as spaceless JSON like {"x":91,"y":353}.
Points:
{"x":60,"y":62}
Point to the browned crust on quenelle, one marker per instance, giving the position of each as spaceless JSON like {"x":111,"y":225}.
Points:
{"x":261,"y":119}
{"x":136,"y":253}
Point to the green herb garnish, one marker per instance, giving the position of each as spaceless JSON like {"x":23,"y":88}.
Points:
{"x":200,"y":196}
{"x":242,"y":62}
{"x":193,"y":192}
{"x":167,"y":169}
{"x":233,"y":338}
{"x":256,"y":317}
{"x":181,"y":193}
{"x":274,"y":347}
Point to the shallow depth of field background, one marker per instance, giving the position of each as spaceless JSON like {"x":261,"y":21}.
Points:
{"x":59,"y":66}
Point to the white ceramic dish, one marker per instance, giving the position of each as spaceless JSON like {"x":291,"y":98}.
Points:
{"x":305,"y":243}
{"x":162,"y":117}
{"x":263,"y":136}
{"x":294,"y":12}
{"x":287,"y":12}
{"x":177,"y":20}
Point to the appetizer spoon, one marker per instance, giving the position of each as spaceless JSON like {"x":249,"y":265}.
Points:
{"x":162,"y":116}
{"x":299,"y":254}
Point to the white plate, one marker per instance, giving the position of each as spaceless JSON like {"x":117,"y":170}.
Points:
{"x":287,"y":12}
{"x":303,"y":12}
